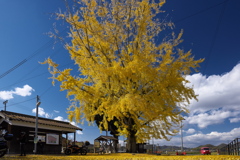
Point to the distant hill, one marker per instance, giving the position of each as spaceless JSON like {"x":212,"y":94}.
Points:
{"x":212,"y":147}
{"x":221,"y":145}
{"x":206,"y":145}
{"x":174,"y":148}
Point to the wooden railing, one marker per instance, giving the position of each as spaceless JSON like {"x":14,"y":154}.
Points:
{"x":233,"y":148}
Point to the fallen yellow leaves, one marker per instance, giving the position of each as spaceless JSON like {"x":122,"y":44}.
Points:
{"x":121,"y":156}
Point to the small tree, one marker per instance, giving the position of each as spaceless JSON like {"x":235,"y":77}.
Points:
{"x":126,"y":72}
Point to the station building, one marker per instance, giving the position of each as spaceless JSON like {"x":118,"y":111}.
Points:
{"x":49,"y":131}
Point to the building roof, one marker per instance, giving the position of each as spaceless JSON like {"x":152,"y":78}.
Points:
{"x":105,"y":138}
{"x":12,"y":116}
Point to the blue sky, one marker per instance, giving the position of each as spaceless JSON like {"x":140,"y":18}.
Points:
{"x":211,"y":31}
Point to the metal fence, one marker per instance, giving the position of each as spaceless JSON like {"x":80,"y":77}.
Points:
{"x":233,"y":148}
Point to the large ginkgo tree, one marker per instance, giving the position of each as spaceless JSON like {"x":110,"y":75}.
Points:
{"x":129,"y":73}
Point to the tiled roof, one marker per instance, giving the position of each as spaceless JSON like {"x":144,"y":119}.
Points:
{"x":31,"y":119}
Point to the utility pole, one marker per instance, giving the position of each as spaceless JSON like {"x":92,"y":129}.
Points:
{"x":152,"y":145}
{"x":36,"y":126}
{"x":181,"y":132}
{"x":181,"y":137}
{"x":5,"y":104}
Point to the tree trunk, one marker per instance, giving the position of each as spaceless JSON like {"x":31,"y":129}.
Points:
{"x":132,"y":143}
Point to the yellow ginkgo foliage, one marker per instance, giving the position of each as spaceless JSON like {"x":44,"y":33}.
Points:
{"x":127,"y":73}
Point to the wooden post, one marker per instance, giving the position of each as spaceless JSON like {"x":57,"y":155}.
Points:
{"x":74,"y":138}
{"x":66,"y":140}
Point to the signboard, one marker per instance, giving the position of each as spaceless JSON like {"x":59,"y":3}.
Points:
{"x":35,"y":140}
{"x":96,"y":144}
{"x":42,"y":138}
{"x":52,"y":139}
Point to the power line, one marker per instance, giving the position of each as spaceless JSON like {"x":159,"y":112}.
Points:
{"x":45,"y":46}
{"x":50,"y":42}
{"x":25,"y":79}
{"x":23,"y":107}
{"x":33,"y":77}
{"x":46,"y":90}
{"x":215,"y":34}
{"x":21,"y":102}
{"x":24,"y":76}
{"x":199,"y":12}
{"x":13,"y":68}
{"x":27,"y":59}
{"x":214,"y":38}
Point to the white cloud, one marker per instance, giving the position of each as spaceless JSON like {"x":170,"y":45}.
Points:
{"x":218,"y":100}
{"x":60,"y":118}
{"x":234,"y":120}
{"x":26,"y":90}
{"x":6,"y":95}
{"x":41,"y":112}
{"x":197,"y":139}
{"x":73,"y":123}
{"x":214,"y":138}
{"x":190,"y":131}
{"x":216,"y":91}
{"x":79,"y":132}
{"x":56,"y":111}
{"x":209,"y":118}
{"x":70,"y":137}
{"x":47,"y":115}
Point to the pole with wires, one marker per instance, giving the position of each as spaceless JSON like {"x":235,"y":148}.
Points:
{"x":181,"y":137}
{"x":181,"y":127}
{"x":5,"y":104}
{"x":36,"y":126}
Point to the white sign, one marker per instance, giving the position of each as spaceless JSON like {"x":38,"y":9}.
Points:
{"x":52,"y":139}
{"x":42,"y":138}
